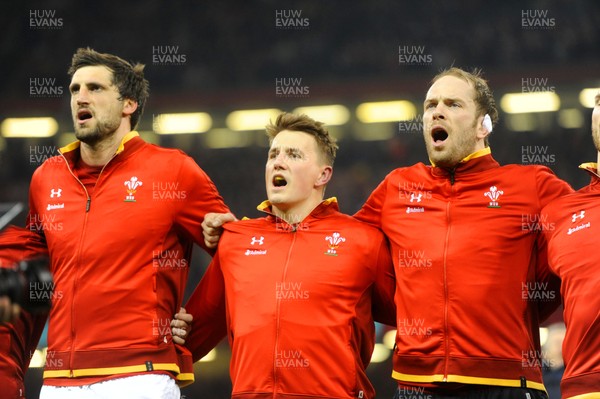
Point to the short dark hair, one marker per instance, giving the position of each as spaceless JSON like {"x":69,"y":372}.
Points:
{"x":303,"y":123}
{"x":128,"y":78}
{"x":484,"y":98}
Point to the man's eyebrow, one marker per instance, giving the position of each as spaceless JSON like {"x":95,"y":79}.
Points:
{"x":287,"y":150}
{"x":454,"y":99}
{"x":92,"y":83}
{"x":443,"y":99}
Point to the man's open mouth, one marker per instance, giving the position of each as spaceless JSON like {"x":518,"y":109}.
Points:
{"x":83,"y":115}
{"x":439,"y":135}
{"x":279,"y":181}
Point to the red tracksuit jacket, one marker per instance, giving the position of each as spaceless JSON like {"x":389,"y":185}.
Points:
{"x":572,"y":230}
{"x":119,"y":258}
{"x":471,"y":270}
{"x":299,"y":303}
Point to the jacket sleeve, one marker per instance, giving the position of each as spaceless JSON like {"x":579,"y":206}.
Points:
{"x":33,"y":219}
{"x":549,"y":188}
{"x":371,"y":211}
{"x":18,"y":243}
{"x":207,"y":306}
{"x":201,"y":197}
{"x":23,"y":334}
{"x":384,"y":307}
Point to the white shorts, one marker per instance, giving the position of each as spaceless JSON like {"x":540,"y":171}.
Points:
{"x":150,"y":386}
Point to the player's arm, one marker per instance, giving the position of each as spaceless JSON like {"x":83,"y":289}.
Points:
{"x":208,"y":309}
{"x":201,"y":198}
{"x":212,"y":227}
{"x":549,"y":187}
{"x":384,"y":307}
{"x":17,"y":244}
{"x":545,"y":278}
{"x":24,"y":331}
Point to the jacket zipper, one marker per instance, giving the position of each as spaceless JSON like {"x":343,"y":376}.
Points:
{"x":278,"y":311}
{"x":88,"y":204}
{"x":452,"y":175}
{"x":446,"y":329}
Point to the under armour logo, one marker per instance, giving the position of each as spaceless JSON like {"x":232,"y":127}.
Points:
{"x":55,"y":193}
{"x":258,"y":241}
{"x":576,"y":216}
{"x":414,"y":197}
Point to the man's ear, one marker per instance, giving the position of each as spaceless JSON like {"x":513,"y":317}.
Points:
{"x":484,"y":126}
{"x":129,"y":106}
{"x":325,"y":176}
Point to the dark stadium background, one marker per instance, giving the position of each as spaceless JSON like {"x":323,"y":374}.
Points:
{"x":233,"y":55}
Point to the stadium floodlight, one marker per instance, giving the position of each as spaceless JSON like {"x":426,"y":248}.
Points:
{"x":522,"y":122}
{"x":587,"y":97}
{"x":369,"y":132}
{"x":193,"y":122}
{"x":253,"y":119}
{"x":210,"y":356}
{"x":380,"y":353}
{"x":389,"y":339}
{"x":38,"y":359}
{"x":386,"y":111}
{"x":331,"y":115}
{"x":226,"y":138}
{"x":29,"y":127}
{"x":571,"y":118}
{"x":520,"y":103}
{"x":544,"y":335}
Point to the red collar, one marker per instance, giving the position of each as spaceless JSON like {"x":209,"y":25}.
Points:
{"x":325,"y":208}
{"x":473,"y":165}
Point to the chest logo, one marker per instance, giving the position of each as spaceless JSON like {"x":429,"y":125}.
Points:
{"x":494,"y":195}
{"x":55,"y":193}
{"x":260,"y":240}
{"x":132,"y":185}
{"x":333,"y":242}
{"x":414,"y":197}
{"x":574,"y":218}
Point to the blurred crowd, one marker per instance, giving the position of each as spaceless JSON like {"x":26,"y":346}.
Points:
{"x":238,"y":44}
